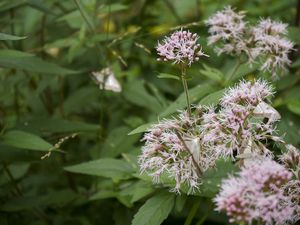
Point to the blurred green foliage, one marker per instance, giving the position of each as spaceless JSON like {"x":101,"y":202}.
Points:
{"x":65,"y":153}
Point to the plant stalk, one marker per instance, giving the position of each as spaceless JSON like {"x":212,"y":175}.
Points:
{"x":186,"y":89}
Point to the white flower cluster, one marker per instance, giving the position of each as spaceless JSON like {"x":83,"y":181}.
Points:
{"x":264,"y":43}
{"x":186,"y":146}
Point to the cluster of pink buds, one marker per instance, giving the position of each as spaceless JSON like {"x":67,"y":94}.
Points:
{"x":257,"y":194}
{"x":180,"y":48}
{"x":264,"y":43}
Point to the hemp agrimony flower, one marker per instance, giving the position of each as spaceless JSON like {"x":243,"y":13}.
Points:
{"x":235,"y":128}
{"x":172,"y":147}
{"x":185,"y":146}
{"x":180,"y":48}
{"x":271,"y":46}
{"x":264,"y":43}
{"x":257,"y":194}
{"x":227,"y":26}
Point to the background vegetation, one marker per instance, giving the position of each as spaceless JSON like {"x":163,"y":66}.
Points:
{"x":50,"y":106}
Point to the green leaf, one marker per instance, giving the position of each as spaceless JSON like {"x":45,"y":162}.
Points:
{"x":16,"y":170}
{"x":294,"y":107}
{"x":196,"y":94}
{"x":136,"y":93}
{"x":141,"y":129}
{"x":4,"y":6}
{"x":294,"y":34}
{"x":24,"y":140}
{"x":212,"y":99}
{"x":85,"y":15}
{"x":13,"y":59}
{"x":9,"y":37}
{"x":137,"y":190}
{"x":212,"y":73}
{"x":212,"y":178}
{"x":118,"y":142}
{"x":155,"y":210}
{"x":103,"y":194}
{"x":53,"y":125}
{"x":112,"y":8}
{"x":289,"y":127}
{"x":168,"y":76}
{"x":112,"y":168}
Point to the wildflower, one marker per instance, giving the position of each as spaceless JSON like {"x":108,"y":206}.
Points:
{"x":257,"y":194}
{"x":196,"y":141}
{"x":292,"y":159}
{"x":271,"y":45}
{"x":172,"y":148}
{"x":247,"y":93}
{"x":264,"y":43}
{"x":181,"y":48}
{"x":235,"y":130}
{"x":227,"y":26}
{"x":106,"y":80}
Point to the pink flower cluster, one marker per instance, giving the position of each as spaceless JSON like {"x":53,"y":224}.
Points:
{"x":257,"y":194}
{"x":229,"y":27}
{"x":247,"y":94}
{"x":232,"y":130}
{"x":270,"y":43}
{"x":264,"y":43}
{"x":185,"y":146}
{"x":172,"y":148}
{"x":181,"y":48}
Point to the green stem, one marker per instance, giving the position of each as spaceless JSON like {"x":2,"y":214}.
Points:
{"x":37,"y":212}
{"x":186,"y":89}
{"x":192,"y":213}
{"x":203,"y":218}
{"x":90,"y":27}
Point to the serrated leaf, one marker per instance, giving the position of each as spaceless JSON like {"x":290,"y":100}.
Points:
{"x":25,"y":140}
{"x":155,"y":210}
{"x":112,"y":168}
{"x":168,"y":76}
{"x":9,"y":37}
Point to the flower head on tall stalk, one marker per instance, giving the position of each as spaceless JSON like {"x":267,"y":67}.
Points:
{"x":258,"y":194}
{"x":181,"y":48}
